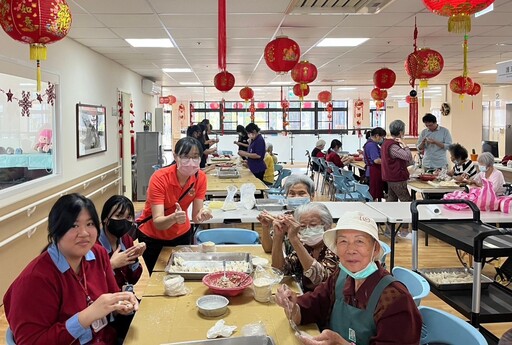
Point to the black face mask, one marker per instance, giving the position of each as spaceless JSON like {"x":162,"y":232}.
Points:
{"x":119,"y":227}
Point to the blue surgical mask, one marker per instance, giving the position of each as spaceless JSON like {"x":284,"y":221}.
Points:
{"x":482,"y":168}
{"x":293,"y":203}
{"x":364,"y":273}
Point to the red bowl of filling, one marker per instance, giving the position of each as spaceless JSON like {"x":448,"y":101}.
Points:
{"x":427,"y":177}
{"x":234,"y":285}
{"x":358,"y":159}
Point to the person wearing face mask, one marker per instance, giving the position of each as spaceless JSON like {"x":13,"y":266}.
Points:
{"x":373,"y":161}
{"x":463,"y":168}
{"x":333,"y":155}
{"x":243,"y":138}
{"x":488,"y":172}
{"x":361,"y":303}
{"x":164,"y":220}
{"x":310,"y":261}
{"x":255,"y":153}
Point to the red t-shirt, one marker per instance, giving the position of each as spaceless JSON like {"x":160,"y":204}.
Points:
{"x":335,"y":158}
{"x":164,"y":189}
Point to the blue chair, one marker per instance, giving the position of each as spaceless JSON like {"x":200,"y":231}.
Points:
{"x":227,"y":236}
{"x":387,"y":250}
{"x":416,"y":284}
{"x":345,"y":190}
{"x":277,"y":187}
{"x":9,"y":337}
{"x":364,"y":190}
{"x":442,"y":327}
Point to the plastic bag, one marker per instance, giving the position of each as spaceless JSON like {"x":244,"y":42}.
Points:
{"x":255,"y":329}
{"x":229,"y":202}
{"x":174,"y":285}
{"x":458,"y":195}
{"x":220,"y":329}
{"x":247,"y":198}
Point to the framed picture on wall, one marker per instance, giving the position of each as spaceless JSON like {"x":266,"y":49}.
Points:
{"x":91,"y":129}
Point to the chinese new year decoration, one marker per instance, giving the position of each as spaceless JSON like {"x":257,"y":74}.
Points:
{"x":358,"y":115}
{"x":413,"y":112}
{"x":36,"y":22}
{"x":25,"y":100}
{"x":459,"y":11}
{"x":181,"y":111}
{"x":246,"y":93}
{"x":132,"y":132}
{"x":384,"y":78}
{"x":214,"y":105}
{"x":304,"y":73}
{"x":167,"y":100}
{"x":474,"y":91}
{"x":462,"y":84}
{"x":324,"y":96}
{"x":191,"y":113}
{"x":282,"y":54}
{"x":252,"y":110}
{"x":224,"y":81}
{"x":378,"y":94}
{"x":285,"y":105}
{"x":329,"y":109}
{"x":300,"y":91}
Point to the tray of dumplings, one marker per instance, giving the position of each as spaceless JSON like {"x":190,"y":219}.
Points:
{"x":458,"y":278}
{"x":228,"y":172}
{"x":195,"y":265}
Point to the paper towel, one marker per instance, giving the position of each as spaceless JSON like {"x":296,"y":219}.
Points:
{"x":434,"y":209}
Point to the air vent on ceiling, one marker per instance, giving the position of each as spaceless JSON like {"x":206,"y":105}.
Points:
{"x":337,"y":6}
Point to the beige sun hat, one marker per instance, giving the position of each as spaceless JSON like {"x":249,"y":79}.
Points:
{"x":353,"y":221}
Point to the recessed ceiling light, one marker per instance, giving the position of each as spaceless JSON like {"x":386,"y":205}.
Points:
{"x":489,"y":71}
{"x":176,"y":70}
{"x":346,"y":88}
{"x":150,"y":42}
{"x":341,"y":42}
{"x":190,"y":83}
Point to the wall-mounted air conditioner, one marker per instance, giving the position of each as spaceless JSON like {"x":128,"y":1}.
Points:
{"x":150,"y":88}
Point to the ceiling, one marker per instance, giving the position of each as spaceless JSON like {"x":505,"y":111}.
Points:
{"x":192,"y":26}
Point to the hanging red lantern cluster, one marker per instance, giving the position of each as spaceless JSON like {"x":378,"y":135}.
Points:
{"x":329,"y":109}
{"x":304,"y":73}
{"x":167,"y":100}
{"x":214,"y":106}
{"x":384,"y":78}
{"x":246,"y":93}
{"x":459,"y":11}
{"x":358,"y":115}
{"x":378,"y":94}
{"x":224,"y":81}
{"x":282,"y":54}
{"x":301,"y":92}
{"x":37,"y":23}
{"x":324,"y":96}
{"x":461,"y":85}
{"x":286,"y":106}
{"x":424,"y":64}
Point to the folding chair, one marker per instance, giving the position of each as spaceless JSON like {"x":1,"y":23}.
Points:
{"x":364,"y":190}
{"x":418,"y":287}
{"x":227,"y":236}
{"x":9,"y":337}
{"x":277,"y":187}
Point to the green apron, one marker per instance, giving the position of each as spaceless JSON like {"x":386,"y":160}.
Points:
{"x":354,"y":324}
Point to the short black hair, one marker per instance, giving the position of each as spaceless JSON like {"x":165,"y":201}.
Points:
{"x":205,"y":122}
{"x":458,"y":151}
{"x":65,"y":212}
{"x":430,"y":118}
{"x":192,"y":129}
{"x":378,"y":131}
{"x":117,"y":204}
{"x":252,"y":127}
{"x":185,"y":145}
{"x":335,"y":142}
{"x":241,"y":129}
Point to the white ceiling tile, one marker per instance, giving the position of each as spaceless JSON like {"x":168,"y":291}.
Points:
{"x":103,"y":42}
{"x":101,"y":33}
{"x":114,"y":6}
{"x":129,"y":20}
{"x":381,"y":19}
{"x":184,"y":21}
{"x":85,"y":21}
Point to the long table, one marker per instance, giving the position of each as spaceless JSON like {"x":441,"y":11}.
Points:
{"x":161,"y":319}
{"x":217,"y":186}
{"x":425,"y":188}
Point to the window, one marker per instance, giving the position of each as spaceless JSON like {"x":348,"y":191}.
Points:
{"x":26,"y":130}
{"x":377,"y":117}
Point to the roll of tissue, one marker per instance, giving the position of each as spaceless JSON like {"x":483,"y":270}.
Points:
{"x":434,"y":209}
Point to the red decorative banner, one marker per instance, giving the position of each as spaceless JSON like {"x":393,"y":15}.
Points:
{"x":358,"y":115}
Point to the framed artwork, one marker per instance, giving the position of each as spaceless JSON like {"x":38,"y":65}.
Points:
{"x":91,"y":133}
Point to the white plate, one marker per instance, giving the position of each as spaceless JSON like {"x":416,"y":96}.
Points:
{"x":256,"y":260}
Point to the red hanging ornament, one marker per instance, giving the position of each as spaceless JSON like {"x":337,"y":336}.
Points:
{"x":36,"y":22}
{"x":413,"y":113}
{"x":358,"y":115}
{"x":246,"y":93}
{"x":282,"y":54}
{"x":181,"y":111}
{"x":304,"y":73}
{"x":300,"y":91}
{"x":329,"y":109}
{"x":384,"y":78}
{"x":172,"y":99}
{"x":378,"y":94}
{"x":191,"y":112}
{"x":252,"y":109}
{"x":324,"y":96}
{"x":214,"y":105}
{"x":424,"y":64}
{"x":474,"y":91}
{"x":285,"y":105}
{"x":262,"y":105}
{"x":224,"y":81}
{"x":461,"y":85}
{"x":459,"y":11}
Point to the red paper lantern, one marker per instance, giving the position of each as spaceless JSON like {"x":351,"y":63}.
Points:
{"x":378,"y":94}
{"x":239,"y":105}
{"x":461,"y":85}
{"x":459,"y":12}
{"x":308,"y":105}
{"x":36,"y":22}
{"x":324,"y":96}
{"x":384,"y":78}
{"x":380,"y":104}
{"x":224,"y":81}
{"x":424,"y":64}
{"x":304,"y":73}
{"x":246,"y":93}
{"x":214,"y":105}
{"x":475,"y":90}
{"x":282,"y":54}
{"x":172,"y":99}
{"x":300,"y":91}
{"x":262,"y":105}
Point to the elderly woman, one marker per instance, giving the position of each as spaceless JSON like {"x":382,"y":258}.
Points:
{"x":310,"y":261}
{"x":360,"y":303}
{"x":298,"y":190}
{"x":489,"y":172}
{"x":463,"y":167}
{"x":318,"y":152}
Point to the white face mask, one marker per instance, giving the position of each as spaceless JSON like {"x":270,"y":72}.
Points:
{"x":312,"y":235}
{"x":482,"y":168}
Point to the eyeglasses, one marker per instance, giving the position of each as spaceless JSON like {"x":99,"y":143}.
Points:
{"x":190,"y":159}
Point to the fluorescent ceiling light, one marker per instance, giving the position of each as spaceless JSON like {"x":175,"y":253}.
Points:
{"x":176,"y":70}
{"x":490,"y":71}
{"x":398,"y":96}
{"x":488,"y":9}
{"x":281,"y":83}
{"x":341,"y":42}
{"x":190,"y":83}
{"x":346,"y":88}
{"x":27,"y":84}
{"x":150,"y":42}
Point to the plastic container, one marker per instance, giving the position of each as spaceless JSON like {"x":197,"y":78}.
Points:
{"x":263,"y":289}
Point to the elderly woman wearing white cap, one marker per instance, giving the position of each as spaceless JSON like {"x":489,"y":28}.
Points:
{"x":361,"y":303}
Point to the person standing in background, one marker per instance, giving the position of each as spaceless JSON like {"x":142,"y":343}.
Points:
{"x":268,"y":178}
{"x":243,"y":139}
{"x":256,"y":151}
{"x":434,"y":141}
{"x":372,"y":159}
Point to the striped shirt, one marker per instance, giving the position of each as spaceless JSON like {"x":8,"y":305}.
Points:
{"x":467,"y":167}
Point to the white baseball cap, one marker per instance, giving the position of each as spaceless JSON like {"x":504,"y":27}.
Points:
{"x":353,"y":221}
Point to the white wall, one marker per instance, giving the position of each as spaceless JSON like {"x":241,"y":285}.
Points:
{"x":83,"y":76}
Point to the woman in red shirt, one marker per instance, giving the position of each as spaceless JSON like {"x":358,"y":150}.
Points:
{"x":333,"y":155}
